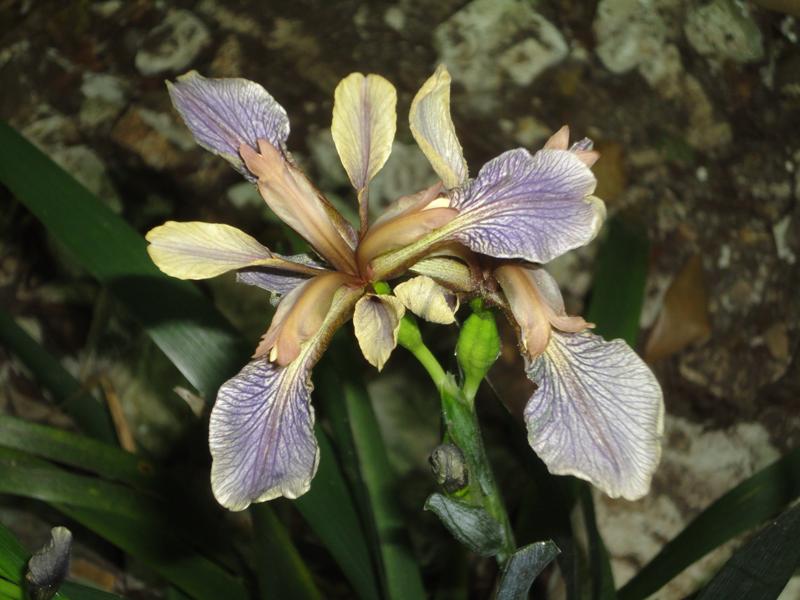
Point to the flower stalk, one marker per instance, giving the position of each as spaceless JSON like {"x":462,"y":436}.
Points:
{"x":460,"y":419}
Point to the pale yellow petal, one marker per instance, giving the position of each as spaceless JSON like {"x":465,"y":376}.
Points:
{"x":195,"y":250}
{"x":433,"y":129}
{"x":428,"y":300}
{"x":364,"y":124}
{"x":376,"y":321}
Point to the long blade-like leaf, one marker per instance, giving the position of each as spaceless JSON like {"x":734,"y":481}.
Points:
{"x":760,"y":569}
{"x":758,"y":498}
{"x":88,"y":414}
{"x":76,"y":450}
{"x":273,"y":562}
{"x":619,"y":280}
{"x":356,"y":426}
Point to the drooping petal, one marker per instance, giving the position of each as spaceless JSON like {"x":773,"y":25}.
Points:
{"x":261,"y":431}
{"x":534,"y":207}
{"x":432,"y":127}
{"x":299,"y":317}
{"x":597,"y":413}
{"x":194,"y":250}
{"x":364,"y":124}
{"x":302,"y":207}
{"x":376,"y":321}
{"x":223,"y":114}
{"x":428,"y":300}
{"x":261,"y":435}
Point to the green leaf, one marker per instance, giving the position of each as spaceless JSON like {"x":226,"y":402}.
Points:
{"x":602,"y":578}
{"x":76,"y":450}
{"x":12,"y":556}
{"x":87,"y":412}
{"x":758,"y":498}
{"x":760,"y":569}
{"x":522,"y":568}
{"x":182,"y":322}
{"x":477,"y":348}
{"x":20,"y":477}
{"x":273,"y":562}
{"x":76,"y":591}
{"x":329,"y":487}
{"x":619,"y":280}
{"x":401,"y":574}
{"x":470,"y":525}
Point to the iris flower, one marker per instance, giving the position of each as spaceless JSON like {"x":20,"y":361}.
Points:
{"x":597,"y":411}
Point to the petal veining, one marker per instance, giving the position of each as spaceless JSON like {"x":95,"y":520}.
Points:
{"x":261,"y":435}
{"x":432,"y":128}
{"x":364,"y":124}
{"x":534,"y":207}
{"x":223,"y":114}
{"x":597,"y":413}
{"x":261,"y":431}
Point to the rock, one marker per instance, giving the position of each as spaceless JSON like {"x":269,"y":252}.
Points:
{"x":407,"y":171}
{"x":228,"y":59}
{"x":244,"y":195}
{"x":724,"y":29}
{"x":636,"y":35}
{"x":630,"y":33}
{"x":105,"y":97}
{"x":782,"y":234}
{"x":173,"y":45}
{"x":697,"y":467}
{"x":527,"y":131}
{"x":489,"y":40}
{"x":326,"y":161}
{"x":155,"y":137}
{"x":87,"y":167}
{"x":395,"y":18}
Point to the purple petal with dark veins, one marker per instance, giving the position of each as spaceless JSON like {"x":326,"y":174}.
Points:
{"x":223,"y":114}
{"x":597,"y":413}
{"x":527,"y":206}
{"x":261,"y":435}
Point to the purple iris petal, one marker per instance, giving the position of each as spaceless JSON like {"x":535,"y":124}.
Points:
{"x":274,"y":281}
{"x":597,"y":413}
{"x":528,"y":206}
{"x":261,"y":435}
{"x":223,"y":114}
{"x":277,"y":281}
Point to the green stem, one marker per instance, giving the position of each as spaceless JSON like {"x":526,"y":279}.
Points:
{"x":463,"y":429}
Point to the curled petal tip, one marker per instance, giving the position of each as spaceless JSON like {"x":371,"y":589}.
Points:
{"x":559,"y":140}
